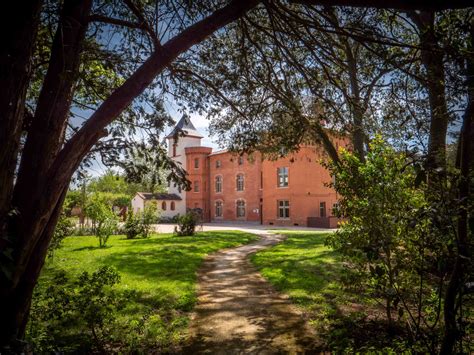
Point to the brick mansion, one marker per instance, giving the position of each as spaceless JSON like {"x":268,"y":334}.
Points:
{"x":289,"y":191}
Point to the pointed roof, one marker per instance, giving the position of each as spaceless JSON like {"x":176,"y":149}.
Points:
{"x":186,"y":127}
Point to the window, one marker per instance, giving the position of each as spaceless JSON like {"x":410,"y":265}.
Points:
{"x":322,"y":209}
{"x":163,"y":205}
{"x":196,"y":163}
{"x":284,"y":209}
{"x":240,"y":208}
{"x":174,"y":149}
{"x":241,"y":160}
{"x":218,"y":163}
{"x":218,"y":208}
{"x":172,"y":207}
{"x":196,"y":186}
{"x":218,"y":183}
{"x":239,"y":182}
{"x":335,"y":207}
{"x":282,"y":177}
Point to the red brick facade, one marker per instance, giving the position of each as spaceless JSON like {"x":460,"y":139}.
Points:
{"x":229,"y":187}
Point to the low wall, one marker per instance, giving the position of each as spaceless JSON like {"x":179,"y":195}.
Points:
{"x":324,"y":222}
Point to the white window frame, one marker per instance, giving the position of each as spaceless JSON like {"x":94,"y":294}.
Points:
{"x":283,"y":209}
{"x":238,"y":183}
{"x":237,"y":208}
{"x":283,"y":177}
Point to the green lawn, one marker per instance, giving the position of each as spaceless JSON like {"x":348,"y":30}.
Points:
{"x":161,"y":272}
{"x":310,"y":273}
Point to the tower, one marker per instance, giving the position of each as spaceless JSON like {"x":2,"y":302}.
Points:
{"x":183,"y":135}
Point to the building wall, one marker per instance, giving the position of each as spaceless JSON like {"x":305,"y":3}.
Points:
{"x":305,"y":191}
{"x":229,"y":169}
{"x":137,"y":204}
{"x":181,"y":144}
{"x":306,"y":188}
{"x":198,"y":176}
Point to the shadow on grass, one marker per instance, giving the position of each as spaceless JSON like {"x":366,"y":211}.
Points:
{"x":90,"y":248}
{"x":312,"y":275}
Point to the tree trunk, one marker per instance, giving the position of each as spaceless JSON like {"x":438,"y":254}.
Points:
{"x":47,"y":167}
{"x":18,"y":39}
{"x":31,"y":228}
{"x":457,"y":279}
{"x":432,"y":60}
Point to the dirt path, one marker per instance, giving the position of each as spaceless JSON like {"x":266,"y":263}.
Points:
{"x":239,"y":312}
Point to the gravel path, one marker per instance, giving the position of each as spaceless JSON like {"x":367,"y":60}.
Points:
{"x":238,"y":312}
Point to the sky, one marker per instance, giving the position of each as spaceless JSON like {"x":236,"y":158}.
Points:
{"x":200,"y":122}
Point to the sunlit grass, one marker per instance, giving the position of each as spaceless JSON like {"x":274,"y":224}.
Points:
{"x":160,"y":270}
{"x":310,"y":274}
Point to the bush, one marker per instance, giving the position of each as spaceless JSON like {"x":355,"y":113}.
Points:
{"x":64,"y":228}
{"x":74,"y":314}
{"x":80,"y":231}
{"x":187,"y":224}
{"x":132,"y":227}
{"x":149,"y":216}
{"x":105,"y":228}
{"x":388,"y":237}
{"x":104,"y":220}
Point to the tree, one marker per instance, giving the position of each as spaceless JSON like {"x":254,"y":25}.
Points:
{"x":104,"y":220}
{"x":32,"y":196}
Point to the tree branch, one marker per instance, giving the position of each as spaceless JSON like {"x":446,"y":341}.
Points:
{"x":115,"y":21}
{"x":435,"y":5}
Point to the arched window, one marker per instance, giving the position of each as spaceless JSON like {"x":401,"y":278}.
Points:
{"x":172,"y":207}
{"x":163,"y":205}
{"x":241,"y":160}
{"x":218,"y":208}
{"x":218,"y":183}
{"x":239,"y":182}
{"x":240,"y":208}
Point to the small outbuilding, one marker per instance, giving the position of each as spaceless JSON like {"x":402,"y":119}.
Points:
{"x":167,"y":203}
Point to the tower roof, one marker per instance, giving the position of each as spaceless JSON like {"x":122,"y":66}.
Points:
{"x":186,"y":127}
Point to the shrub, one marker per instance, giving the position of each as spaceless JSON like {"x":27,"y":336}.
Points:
{"x":105,"y":228}
{"x":64,"y":228}
{"x":388,"y":236}
{"x":149,"y":216}
{"x":104,"y":220}
{"x":132,"y":227}
{"x":74,"y":314}
{"x":80,"y":231}
{"x":187,"y":224}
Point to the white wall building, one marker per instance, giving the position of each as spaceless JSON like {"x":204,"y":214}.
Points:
{"x":172,"y":203}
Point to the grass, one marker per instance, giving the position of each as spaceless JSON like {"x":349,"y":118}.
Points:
{"x":311,"y":274}
{"x":161,"y":272}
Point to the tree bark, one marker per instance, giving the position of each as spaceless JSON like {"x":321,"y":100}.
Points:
{"x":432,"y":60}
{"x":18,"y":39}
{"x":31,"y":228}
{"x":457,"y":279}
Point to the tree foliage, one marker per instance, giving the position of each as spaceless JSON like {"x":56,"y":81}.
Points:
{"x":398,"y":241}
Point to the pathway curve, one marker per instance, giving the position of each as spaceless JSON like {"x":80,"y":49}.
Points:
{"x":239,"y":312}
